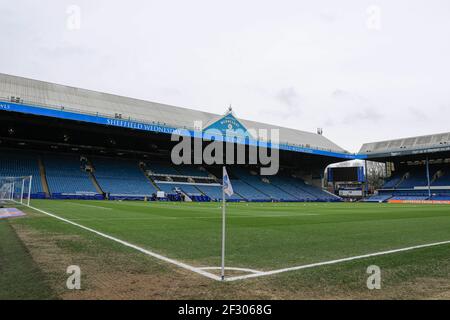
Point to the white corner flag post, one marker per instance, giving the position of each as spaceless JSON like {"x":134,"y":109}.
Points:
{"x":227,"y":188}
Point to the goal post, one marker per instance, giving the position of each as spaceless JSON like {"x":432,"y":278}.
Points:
{"x":16,"y":189}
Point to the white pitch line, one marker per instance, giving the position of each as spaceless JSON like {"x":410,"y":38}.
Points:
{"x":127,"y":244}
{"x":233,"y":269}
{"x":313,"y":265}
{"x":204,"y":273}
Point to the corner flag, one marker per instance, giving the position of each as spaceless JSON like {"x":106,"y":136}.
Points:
{"x":227,"y":187}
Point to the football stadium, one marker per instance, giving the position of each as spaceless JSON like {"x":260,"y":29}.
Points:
{"x":88,"y":183}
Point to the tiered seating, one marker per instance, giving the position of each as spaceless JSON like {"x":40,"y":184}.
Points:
{"x":402,"y":195}
{"x":410,"y":183}
{"x":379,"y":198}
{"x":284,"y":183}
{"x":189,"y":179}
{"x":215,"y":193}
{"x":441,"y":197}
{"x":270,"y":191}
{"x":66,"y":177}
{"x":417,"y":177}
{"x":319,"y":194}
{"x":393,"y":182}
{"x":280,"y":188}
{"x":407,"y":198}
{"x":19,"y":164}
{"x":122,"y":178}
{"x":444,"y":180}
{"x":243,"y":191}
{"x":300,"y":190}
{"x":191,"y":171}
{"x":190,"y":190}
{"x":162,"y":168}
{"x":248,"y":192}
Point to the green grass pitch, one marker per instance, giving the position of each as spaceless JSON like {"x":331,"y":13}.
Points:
{"x":270,"y":236}
{"x":260,"y":235}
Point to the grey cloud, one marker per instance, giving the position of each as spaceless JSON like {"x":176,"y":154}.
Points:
{"x":290,"y":98}
{"x":355,"y":108}
{"x":363,"y":115}
{"x":418,"y":113}
{"x":313,"y":59}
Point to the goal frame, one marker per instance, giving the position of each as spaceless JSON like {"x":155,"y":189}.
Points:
{"x":16,"y":189}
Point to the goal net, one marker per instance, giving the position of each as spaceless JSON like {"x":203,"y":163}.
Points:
{"x":16,"y":189}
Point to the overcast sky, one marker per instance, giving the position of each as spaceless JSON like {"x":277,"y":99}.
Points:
{"x":363,"y":70}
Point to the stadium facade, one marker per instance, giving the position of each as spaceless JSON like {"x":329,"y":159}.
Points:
{"x":84,"y":144}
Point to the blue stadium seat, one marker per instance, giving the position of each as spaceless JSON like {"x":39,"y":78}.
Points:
{"x":444,"y":180}
{"x":65,"y":175}
{"x":190,"y":190}
{"x":162,"y":168}
{"x":19,"y":164}
{"x":302,"y":191}
{"x":417,"y":177}
{"x":379,"y":198}
{"x":409,"y":183}
{"x":191,"y":171}
{"x":268,"y":191}
{"x":248,"y":192}
{"x":122,"y":178}
{"x":215,"y":193}
{"x":393,"y":181}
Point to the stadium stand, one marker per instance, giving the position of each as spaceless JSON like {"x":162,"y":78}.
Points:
{"x":252,"y":187}
{"x":161,"y":168}
{"x":319,"y":194}
{"x":441,"y":197}
{"x":49,"y":116}
{"x":393,"y":182}
{"x":67,"y":178}
{"x":413,"y":178}
{"x":443,"y":178}
{"x":248,"y":192}
{"x":286,"y":184}
{"x":411,"y":183}
{"x":191,"y":171}
{"x":215,"y":193}
{"x":302,"y":191}
{"x":265,"y":189}
{"x":190,"y":190}
{"x":121,"y":178}
{"x":413,"y":197}
{"x":409,"y":163}
{"x":379,"y":198}
{"x":19,"y":164}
